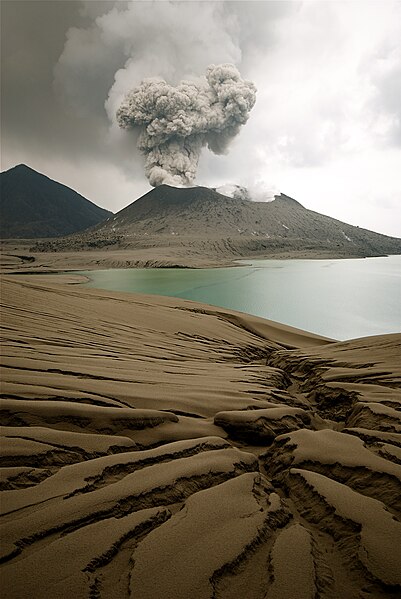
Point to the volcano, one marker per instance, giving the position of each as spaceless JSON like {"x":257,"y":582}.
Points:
{"x":200,"y":212}
{"x":183,"y":226}
{"x":201,"y":217}
{"x":33,"y":205}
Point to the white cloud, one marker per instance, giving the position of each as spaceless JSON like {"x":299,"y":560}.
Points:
{"x":326,"y":127}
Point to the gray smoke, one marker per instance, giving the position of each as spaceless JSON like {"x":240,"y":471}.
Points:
{"x":175,"y":123}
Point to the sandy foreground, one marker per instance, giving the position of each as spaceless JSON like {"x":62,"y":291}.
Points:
{"x":156,"y":448}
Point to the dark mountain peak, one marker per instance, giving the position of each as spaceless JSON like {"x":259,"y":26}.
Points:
{"x":33,"y":205}
{"x":23,"y":170}
{"x":20,"y":168}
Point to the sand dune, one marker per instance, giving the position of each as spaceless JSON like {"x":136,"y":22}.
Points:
{"x":154,"y":448}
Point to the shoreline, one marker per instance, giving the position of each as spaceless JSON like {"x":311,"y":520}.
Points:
{"x":327,"y":319}
{"x":247,"y":262}
{"x":16,"y":256}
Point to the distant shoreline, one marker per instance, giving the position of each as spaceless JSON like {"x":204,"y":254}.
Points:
{"x":17,"y":257}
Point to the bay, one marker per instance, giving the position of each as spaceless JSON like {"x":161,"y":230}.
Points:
{"x":342,"y":299}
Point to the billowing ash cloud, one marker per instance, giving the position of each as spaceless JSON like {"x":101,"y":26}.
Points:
{"x":175,"y":123}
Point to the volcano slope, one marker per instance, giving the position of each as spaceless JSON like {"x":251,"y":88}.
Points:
{"x":33,"y":205}
{"x":197,"y":226}
{"x":158,"y":448}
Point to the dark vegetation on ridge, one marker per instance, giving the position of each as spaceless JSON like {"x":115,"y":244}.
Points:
{"x":32,"y":206}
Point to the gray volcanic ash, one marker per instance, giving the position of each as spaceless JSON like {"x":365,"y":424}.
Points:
{"x":175,"y":123}
{"x":197,"y":226}
{"x":232,"y":227}
{"x":155,"y":447}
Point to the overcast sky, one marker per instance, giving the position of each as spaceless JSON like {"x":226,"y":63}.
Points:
{"x":325,"y":129}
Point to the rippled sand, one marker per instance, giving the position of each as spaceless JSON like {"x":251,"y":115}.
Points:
{"x":164,"y":449}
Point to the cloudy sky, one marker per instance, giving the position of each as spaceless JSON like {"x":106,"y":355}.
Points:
{"x":325,"y":129}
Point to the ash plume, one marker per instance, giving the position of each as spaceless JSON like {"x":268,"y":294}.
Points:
{"x":175,"y":123}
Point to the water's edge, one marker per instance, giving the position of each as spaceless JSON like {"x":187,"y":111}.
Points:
{"x":335,"y":298}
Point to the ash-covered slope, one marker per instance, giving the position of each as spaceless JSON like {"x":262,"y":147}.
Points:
{"x":171,"y":213}
{"x":200,"y":211}
{"x":159,"y":448}
{"x":32,"y":205}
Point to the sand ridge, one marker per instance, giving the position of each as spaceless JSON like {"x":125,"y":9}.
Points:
{"x":161,"y":448}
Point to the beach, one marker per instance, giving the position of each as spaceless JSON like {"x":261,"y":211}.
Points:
{"x":156,"y":447}
{"x":29,"y":256}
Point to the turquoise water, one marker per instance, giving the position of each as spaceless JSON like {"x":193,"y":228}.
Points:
{"x":342,"y":299}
